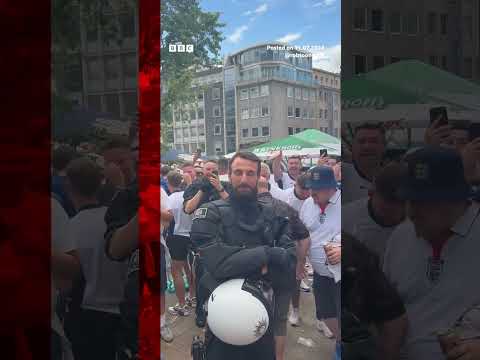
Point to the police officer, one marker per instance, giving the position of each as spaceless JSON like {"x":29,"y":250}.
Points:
{"x":240,"y":238}
{"x":205,"y":188}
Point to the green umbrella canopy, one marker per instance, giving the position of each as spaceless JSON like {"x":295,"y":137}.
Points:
{"x":287,"y":143}
{"x":317,"y":137}
{"x":419,"y":78}
{"x":360,"y":92}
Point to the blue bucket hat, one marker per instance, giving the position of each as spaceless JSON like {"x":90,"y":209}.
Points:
{"x":322,"y":178}
{"x":435,"y":174}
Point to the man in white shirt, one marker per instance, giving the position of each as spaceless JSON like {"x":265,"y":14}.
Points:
{"x":321,"y":214}
{"x":287,"y":179}
{"x":94,"y":336}
{"x":178,"y":244}
{"x":432,"y":258}
{"x":371,"y":220}
{"x":368,"y":148}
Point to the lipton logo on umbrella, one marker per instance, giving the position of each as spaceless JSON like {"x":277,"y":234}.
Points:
{"x":421,"y":171}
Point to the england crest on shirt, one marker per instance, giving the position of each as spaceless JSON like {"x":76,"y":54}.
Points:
{"x":434,"y":269}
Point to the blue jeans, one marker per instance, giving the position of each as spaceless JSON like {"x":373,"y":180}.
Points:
{"x":338,"y":351}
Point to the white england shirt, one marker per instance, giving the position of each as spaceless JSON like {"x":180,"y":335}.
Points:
{"x":434,"y":305}
{"x":354,"y":186}
{"x":183,"y":221}
{"x":322,"y":233}
{"x":292,"y":200}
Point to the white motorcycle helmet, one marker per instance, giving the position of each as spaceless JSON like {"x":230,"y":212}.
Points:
{"x":237,"y":312}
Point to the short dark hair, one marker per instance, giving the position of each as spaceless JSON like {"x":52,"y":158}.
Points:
{"x":165,"y":170}
{"x":211,"y":161}
{"x":116,"y":142}
{"x":369,"y":126}
{"x":174,"y":179}
{"x":302,"y":180}
{"x":186,"y":164}
{"x":84,"y":176}
{"x":295,"y":157}
{"x":247,"y":155}
{"x":62,"y":156}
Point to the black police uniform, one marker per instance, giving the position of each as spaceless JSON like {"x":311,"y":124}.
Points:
{"x":367,"y":299}
{"x":209,"y":194}
{"x":236,"y":242}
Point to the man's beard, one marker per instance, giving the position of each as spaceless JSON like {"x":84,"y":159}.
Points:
{"x":244,"y":198}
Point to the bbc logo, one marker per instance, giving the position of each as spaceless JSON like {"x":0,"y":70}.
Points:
{"x":180,"y":48}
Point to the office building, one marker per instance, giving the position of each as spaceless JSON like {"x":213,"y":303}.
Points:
{"x":262,"y":93}
{"x":443,"y":33}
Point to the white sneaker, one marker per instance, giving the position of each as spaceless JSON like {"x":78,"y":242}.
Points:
{"x":304,"y":286}
{"x":179,"y":310}
{"x":166,"y":333}
{"x":323,"y":328}
{"x":294,"y":318}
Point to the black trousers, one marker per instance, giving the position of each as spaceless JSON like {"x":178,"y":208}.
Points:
{"x":263,"y":349}
{"x":199,"y":271}
{"x":95,"y":335}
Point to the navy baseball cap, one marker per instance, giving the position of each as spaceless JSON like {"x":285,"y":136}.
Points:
{"x":434,"y":174}
{"x":321,"y":178}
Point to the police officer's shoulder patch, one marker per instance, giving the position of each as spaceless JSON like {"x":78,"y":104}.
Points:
{"x":200,"y":213}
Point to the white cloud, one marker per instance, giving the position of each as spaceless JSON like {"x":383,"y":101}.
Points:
{"x":325,"y":3}
{"x":237,"y":35}
{"x":289,"y":37}
{"x":328,"y":58}
{"x":258,"y":11}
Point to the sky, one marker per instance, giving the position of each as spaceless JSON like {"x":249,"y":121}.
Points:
{"x":313,"y":23}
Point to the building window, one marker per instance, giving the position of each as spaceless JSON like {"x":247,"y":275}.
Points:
{"x":200,"y":113}
{"x":297,"y":112}
{"x":254,"y":92}
{"x":201,"y":131}
{"x":360,"y":19}
{"x":360,"y":64}
{"x":130,"y":102}
{"x":433,"y":60}
{"x":335,"y":132}
{"x":265,"y":131}
{"x":444,"y":24}
{"x":290,"y":131}
{"x":93,"y":69}
{"x":218,"y":147}
{"x":185,"y":132}
{"x":468,"y":27}
{"x":218,"y":130}
{"x":320,"y":95}
{"x":255,"y":112}
{"x":290,"y":111}
{"x":412,"y":28}
{"x":244,"y":132}
{"x":217,"y":111}
{"x":254,"y":132}
{"x":320,"y":113}
{"x":305,"y":94}
{"x":305,"y":114}
{"x":289,"y":91}
{"x":113,"y":104}
{"x":444,"y":63}
{"x":200,"y":96}
{"x":394,"y":59}
{"x":130,"y":66}
{"x":193,"y":131}
{"x":264,"y":90}
{"x":298,"y":93}
{"x":193,"y":116}
{"x":178,"y":133}
{"x":395,"y":23}
{"x":244,"y":94}
{"x":245,"y":114}
{"x":265,"y":111}
{"x":326,"y":113}
{"x":216,"y":93}
{"x":378,"y":62}
{"x":467,"y":65}
{"x":95,"y":102}
{"x":297,"y":130}
{"x":432,"y":23}
{"x":377,"y":20}
{"x":127,"y":25}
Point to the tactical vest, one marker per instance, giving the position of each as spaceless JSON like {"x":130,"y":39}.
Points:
{"x":265,"y":230}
